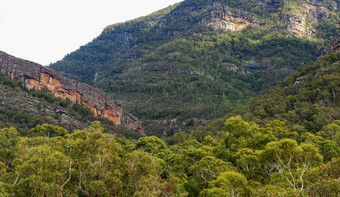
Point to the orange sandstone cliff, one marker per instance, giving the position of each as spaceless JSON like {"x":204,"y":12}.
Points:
{"x":37,"y":77}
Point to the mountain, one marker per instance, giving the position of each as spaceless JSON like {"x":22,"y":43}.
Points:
{"x":58,"y":92}
{"x":198,"y":60}
{"x":232,"y":158}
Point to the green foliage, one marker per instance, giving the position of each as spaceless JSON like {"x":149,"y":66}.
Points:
{"x":331,"y":131}
{"x":307,"y":100}
{"x":48,"y":130}
{"x":142,"y":174}
{"x":228,"y":184}
{"x":329,"y":150}
{"x":150,"y":144}
{"x":40,"y":171}
{"x":248,"y":161}
{"x":206,"y":170}
{"x":324,"y":180}
{"x":9,"y":138}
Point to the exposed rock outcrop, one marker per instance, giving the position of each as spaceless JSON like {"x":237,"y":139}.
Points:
{"x":297,"y":25}
{"x":11,"y":99}
{"x":37,"y":77}
{"x":302,"y":17}
{"x":227,"y":18}
{"x":334,"y":45}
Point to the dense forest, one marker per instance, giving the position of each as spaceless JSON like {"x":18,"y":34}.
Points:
{"x":195,"y":61}
{"x":229,"y":157}
{"x":243,"y":160}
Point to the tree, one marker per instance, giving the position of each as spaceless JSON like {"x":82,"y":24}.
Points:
{"x":237,"y":126}
{"x":247,"y":159}
{"x":280,"y":130}
{"x":9,"y":139}
{"x":150,"y":144}
{"x":228,"y":184}
{"x":96,"y":126}
{"x":141,"y":174}
{"x":48,"y":131}
{"x":206,"y":170}
{"x":154,"y":146}
{"x":329,"y":150}
{"x":241,"y":134}
{"x":249,"y":162}
{"x":178,"y":137}
{"x":324,"y":180}
{"x":290,"y":161}
{"x":177,"y":184}
{"x":41,"y":171}
{"x":95,"y":161}
{"x":331,"y":131}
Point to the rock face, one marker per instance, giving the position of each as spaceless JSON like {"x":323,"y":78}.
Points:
{"x":37,"y":77}
{"x":302,"y":16}
{"x":334,"y":45}
{"x":33,"y":107}
{"x":224,"y":17}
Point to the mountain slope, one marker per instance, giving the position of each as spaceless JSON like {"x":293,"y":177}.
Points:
{"x":24,"y":109}
{"x":197,"y":60}
{"x":70,"y":93}
{"x":306,"y":101}
{"x":309,"y":98}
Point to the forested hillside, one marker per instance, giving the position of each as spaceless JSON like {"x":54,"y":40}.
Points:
{"x":308,"y":99}
{"x":197,"y":60}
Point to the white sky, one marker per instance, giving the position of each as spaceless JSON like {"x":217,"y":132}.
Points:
{"x":44,"y":31}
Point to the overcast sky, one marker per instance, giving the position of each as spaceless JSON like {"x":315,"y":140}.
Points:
{"x":44,"y":31}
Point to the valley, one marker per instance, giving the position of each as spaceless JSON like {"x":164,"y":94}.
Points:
{"x":206,"y":98}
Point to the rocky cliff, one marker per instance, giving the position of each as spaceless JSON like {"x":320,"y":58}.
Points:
{"x":37,"y":77}
{"x":334,"y":45}
{"x":22,"y":110}
{"x":224,"y":17}
{"x":303,"y":16}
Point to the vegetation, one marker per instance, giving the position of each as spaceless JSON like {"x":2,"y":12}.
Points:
{"x":307,"y":100}
{"x":284,"y":142}
{"x":229,"y":157}
{"x":175,"y":74}
{"x":247,"y":160}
